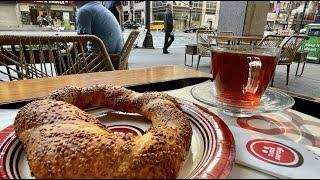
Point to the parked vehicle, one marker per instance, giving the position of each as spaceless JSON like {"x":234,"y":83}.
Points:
{"x":303,"y":31}
{"x":128,"y":24}
{"x":136,"y":25}
{"x":194,"y":29}
{"x":312,"y":45}
{"x":131,"y":25}
{"x":157,"y":25}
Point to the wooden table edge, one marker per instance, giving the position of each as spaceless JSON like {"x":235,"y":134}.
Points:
{"x":172,"y":72}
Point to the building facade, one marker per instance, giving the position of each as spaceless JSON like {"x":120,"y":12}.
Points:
{"x":284,"y":15}
{"x":32,"y":10}
{"x":188,"y":13}
{"x":203,"y":13}
{"x":29,"y":13}
{"x":134,"y":11}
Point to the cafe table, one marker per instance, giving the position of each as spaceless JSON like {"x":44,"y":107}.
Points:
{"x":301,"y":144}
{"x":35,"y":88}
{"x":236,"y":39}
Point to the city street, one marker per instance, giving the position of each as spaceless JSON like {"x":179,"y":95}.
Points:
{"x":308,"y":84}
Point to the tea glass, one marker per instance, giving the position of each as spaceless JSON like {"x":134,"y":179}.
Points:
{"x":242,"y":73}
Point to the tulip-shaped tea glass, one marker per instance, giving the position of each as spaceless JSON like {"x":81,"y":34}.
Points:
{"x":241,"y":75}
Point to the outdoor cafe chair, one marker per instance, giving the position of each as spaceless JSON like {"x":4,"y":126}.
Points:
{"x":120,"y":61}
{"x":225,"y":33}
{"x":204,"y":44}
{"x":271,"y":40}
{"x":29,"y":57}
{"x":289,"y":48}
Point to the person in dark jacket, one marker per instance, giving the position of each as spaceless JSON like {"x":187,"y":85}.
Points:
{"x":116,"y":8}
{"x":168,"y":28}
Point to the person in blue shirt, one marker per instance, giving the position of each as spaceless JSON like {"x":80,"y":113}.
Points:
{"x":93,"y":18}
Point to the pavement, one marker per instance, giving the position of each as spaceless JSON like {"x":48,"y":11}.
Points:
{"x":308,"y":84}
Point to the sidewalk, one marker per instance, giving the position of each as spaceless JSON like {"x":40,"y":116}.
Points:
{"x":308,"y":84}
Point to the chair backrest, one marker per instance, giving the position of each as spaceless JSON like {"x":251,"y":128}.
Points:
{"x":204,"y":42}
{"x":226,"y":33}
{"x":28,"y":57}
{"x":126,"y":50}
{"x":290,"y":47}
{"x":271,"y":40}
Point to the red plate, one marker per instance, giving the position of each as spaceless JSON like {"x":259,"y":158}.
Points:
{"x":212,"y":152}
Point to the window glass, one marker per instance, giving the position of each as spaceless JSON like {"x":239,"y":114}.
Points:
{"x":314,"y":32}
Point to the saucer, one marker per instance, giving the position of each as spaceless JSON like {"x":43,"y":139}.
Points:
{"x":271,"y":101}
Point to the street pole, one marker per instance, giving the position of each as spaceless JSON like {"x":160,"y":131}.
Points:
{"x":74,"y":17}
{"x":302,"y":18}
{"x":148,"y":43}
{"x":190,"y":6}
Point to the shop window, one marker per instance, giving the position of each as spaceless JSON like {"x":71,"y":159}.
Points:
{"x":314,"y":32}
{"x":159,"y":3}
{"x":196,"y":17}
{"x":181,"y":15}
{"x":137,"y":16}
{"x":158,"y":16}
{"x":210,"y":5}
{"x":25,"y":17}
{"x":197,"y":4}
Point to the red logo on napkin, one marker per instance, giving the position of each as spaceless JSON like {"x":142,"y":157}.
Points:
{"x":274,"y":153}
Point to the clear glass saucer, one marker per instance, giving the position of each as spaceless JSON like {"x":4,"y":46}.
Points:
{"x":271,"y":101}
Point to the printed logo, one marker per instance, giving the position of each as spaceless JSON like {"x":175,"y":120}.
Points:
{"x":274,"y":153}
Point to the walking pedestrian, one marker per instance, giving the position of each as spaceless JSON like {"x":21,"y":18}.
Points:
{"x":168,"y":28}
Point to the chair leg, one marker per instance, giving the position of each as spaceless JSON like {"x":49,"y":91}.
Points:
{"x":297,"y":68}
{"x":288,"y":70}
{"x":185,"y":61}
{"x":192,"y":61}
{"x":304,"y":63}
{"x":185,"y":58}
{"x":198,"y":61}
{"x":273,"y":79}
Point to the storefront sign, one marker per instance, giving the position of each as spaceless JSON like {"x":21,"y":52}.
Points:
{"x":64,"y":3}
{"x":271,"y":16}
{"x":66,"y":16}
{"x":24,"y":8}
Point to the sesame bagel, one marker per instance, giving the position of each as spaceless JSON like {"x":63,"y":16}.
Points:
{"x":63,"y":141}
